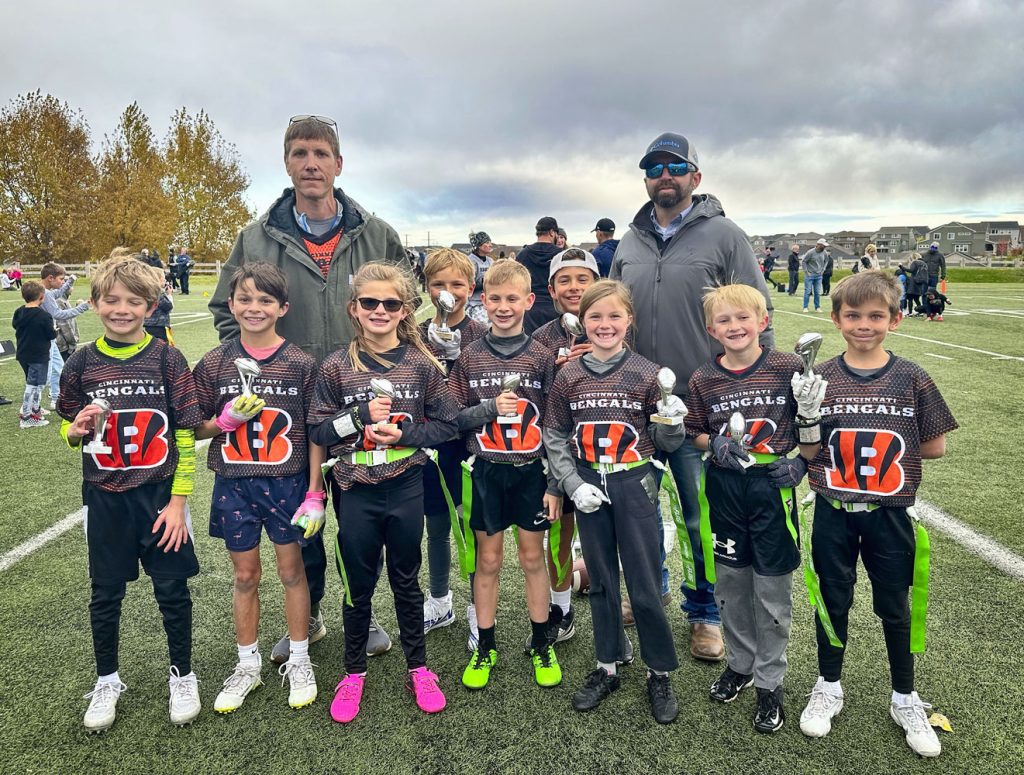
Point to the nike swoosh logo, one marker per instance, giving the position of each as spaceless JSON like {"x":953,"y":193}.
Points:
{"x":540,"y":520}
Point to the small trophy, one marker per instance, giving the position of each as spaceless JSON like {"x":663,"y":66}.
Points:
{"x":666,"y":384}
{"x":573,"y":329}
{"x":509,"y":384}
{"x":97,"y":445}
{"x":738,"y":431}
{"x":445,"y":305}
{"x":807,"y":348}
{"x":382,"y":388}
{"x":248,"y":370}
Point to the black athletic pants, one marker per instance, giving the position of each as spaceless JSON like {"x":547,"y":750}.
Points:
{"x":371,"y":518}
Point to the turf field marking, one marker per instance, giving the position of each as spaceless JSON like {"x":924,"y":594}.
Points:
{"x":943,"y":357}
{"x":23,"y":550}
{"x":1010,"y":563}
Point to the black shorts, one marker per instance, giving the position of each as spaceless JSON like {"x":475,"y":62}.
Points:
{"x":506,"y":495}
{"x":241,"y":507}
{"x":749,"y":522}
{"x":884,"y":539}
{"x":119,"y":534}
{"x":450,"y":455}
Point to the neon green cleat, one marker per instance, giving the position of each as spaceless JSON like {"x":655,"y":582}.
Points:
{"x":478,"y":671}
{"x":545,"y":667}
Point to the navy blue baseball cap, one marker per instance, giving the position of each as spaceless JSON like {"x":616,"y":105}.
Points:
{"x":673,"y":144}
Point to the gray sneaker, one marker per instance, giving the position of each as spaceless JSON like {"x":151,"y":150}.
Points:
{"x":317,"y":631}
{"x":379,"y":641}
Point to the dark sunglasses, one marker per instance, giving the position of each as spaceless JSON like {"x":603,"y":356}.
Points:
{"x":675,"y":170}
{"x":390,"y":305}
{"x":322,"y":119}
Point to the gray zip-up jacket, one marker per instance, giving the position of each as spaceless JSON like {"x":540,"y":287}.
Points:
{"x":668,"y":278}
{"x":814,"y":262}
{"x":317,"y":319}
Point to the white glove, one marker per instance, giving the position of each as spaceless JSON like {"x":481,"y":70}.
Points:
{"x":673,"y":407}
{"x":450,"y":350}
{"x":809,"y":392}
{"x":588,"y":498}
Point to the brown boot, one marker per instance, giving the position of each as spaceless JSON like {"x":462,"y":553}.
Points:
{"x":706,"y":642}
{"x":627,"y":613}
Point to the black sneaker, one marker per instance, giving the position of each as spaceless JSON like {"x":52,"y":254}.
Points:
{"x":729,"y":685}
{"x":596,"y":686}
{"x":769,"y":716}
{"x":663,"y":699}
{"x":566,"y":627}
{"x":556,"y":622}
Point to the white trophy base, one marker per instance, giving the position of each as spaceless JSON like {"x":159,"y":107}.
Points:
{"x":510,"y":419}
{"x":94,"y":448}
{"x":678,"y":420}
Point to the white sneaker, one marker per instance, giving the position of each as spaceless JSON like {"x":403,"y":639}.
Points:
{"x":474,"y":628}
{"x":184,"y":703}
{"x":102,"y":705}
{"x":317,"y":628}
{"x":53,"y":404}
{"x":437,"y":612}
{"x":816,"y":720}
{"x":32,"y":421}
{"x":243,"y":680}
{"x":805,"y":309}
{"x":912,"y":717}
{"x":301,"y":682}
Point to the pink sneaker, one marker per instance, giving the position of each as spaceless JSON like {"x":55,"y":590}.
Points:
{"x":423,"y":684}
{"x":345,"y":706}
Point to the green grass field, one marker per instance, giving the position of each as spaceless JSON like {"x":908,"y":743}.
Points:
{"x":969,"y":672}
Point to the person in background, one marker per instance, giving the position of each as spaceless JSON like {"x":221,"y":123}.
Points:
{"x":936,"y":263}
{"x":185,"y":264}
{"x":57,"y":283}
{"x":537,"y":258}
{"x":562,"y":239}
{"x":158,"y":323}
{"x":814,"y":267}
{"x":33,"y":329}
{"x":604,"y":231}
{"x":67,"y":330}
{"x":793,"y":267}
{"x":480,"y":256}
{"x":826,"y":275}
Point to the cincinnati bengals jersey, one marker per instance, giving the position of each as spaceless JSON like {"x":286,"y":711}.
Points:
{"x":420,"y":395}
{"x":553,"y":335}
{"x":274,"y":442}
{"x":606,"y":415}
{"x":762,"y":394}
{"x":476,"y":376}
{"x":470,"y":330}
{"x":872,"y":429}
{"x":150,"y":394}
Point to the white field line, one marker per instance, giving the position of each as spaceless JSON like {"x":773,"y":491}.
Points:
{"x":825,"y":320}
{"x":1010,"y":563}
{"x":943,"y":357}
{"x":75,"y":518}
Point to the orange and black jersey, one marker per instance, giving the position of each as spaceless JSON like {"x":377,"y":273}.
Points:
{"x":761,"y":393}
{"x":605,"y":415}
{"x":470,"y":331}
{"x":476,"y":377}
{"x":872,"y":429}
{"x":150,"y":394}
{"x":553,"y":336}
{"x":274,"y":443}
{"x":423,"y":408}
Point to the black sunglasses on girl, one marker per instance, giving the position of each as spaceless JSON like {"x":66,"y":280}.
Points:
{"x":370,"y":304}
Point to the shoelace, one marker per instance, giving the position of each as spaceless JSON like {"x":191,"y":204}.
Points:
{"x":480,"y":658}
{"x":105,"y":693}
{"x":242,"y":674}
{"x":819,"y":700}
{"x":915,"y":715}
{"x":298,"y":674}
{"x":424,"y":681}
{"x":660,"y":686}
{"x":544,"y":656}
{"x":766,"y":703}
{"x":349,"y":689}
{"x":183,"y":688}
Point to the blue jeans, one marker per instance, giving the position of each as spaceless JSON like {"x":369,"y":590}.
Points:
{"x":933,"y":282}
{"x":812,"y":281}
{"x":56,"y":367}
{"x":698,"y":604}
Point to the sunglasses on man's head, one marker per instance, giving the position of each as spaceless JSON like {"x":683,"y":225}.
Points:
{"x":322,"y":119}
{"x":370,"y":304}
{"x":675,"y":170}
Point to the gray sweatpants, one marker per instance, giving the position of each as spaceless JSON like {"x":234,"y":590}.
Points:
{"x":757,"y":612}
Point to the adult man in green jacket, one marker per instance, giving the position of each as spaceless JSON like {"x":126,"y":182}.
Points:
{"x":319,"y":237}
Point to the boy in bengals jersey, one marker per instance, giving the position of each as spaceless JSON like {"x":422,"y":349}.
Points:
{"x":748,"y":508}
{"x":138,"y":468}
{"x":509,"y":486}
{"x":881,"y":416}
{"x":266,"y":471}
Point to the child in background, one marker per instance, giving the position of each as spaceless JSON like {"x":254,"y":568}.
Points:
{"x":934,"y":304}
{"x":266,"y":471}
{"x":446,"y":270}
{"x":377,"y":432}
{"x":509,"y":485}
{"x":600,"y":440}
{"x":159,"y":323}
{"x":881,"y":416}
{"x":135,"y":491}
{"x":33,"y":329}
{"x":750,"y":535}
{"x":67,"y":330}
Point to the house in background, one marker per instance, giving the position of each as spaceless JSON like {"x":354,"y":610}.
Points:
{"x":852,"y":242}
{"x":898,"y":239}
{"x":985,"y":238}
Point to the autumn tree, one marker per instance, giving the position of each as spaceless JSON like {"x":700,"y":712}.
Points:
{"x":207,"y":183}
{"x":47,"y":181}
{"x":133,"y":206}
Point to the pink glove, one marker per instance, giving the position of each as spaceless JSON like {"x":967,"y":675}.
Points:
{"x":311,"y":515}
{"x":239,"y":411}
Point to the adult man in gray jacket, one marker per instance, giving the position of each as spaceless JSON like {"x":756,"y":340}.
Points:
{"x":319,"y":237}
{"x":814,"y":261}
{"x":677,"y":246}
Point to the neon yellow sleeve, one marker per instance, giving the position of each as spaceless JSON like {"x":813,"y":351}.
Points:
{"x":185,"y":473}
{"x":64,"y":425}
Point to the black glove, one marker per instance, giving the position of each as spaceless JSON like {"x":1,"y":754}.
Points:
{"x":787,"y":471}
{"x":727,"y":453}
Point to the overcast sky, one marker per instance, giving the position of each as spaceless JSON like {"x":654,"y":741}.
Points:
{"x":459,"y":116}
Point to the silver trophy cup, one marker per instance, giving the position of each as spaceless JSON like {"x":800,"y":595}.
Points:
{"x":666,"y":384}
{"x":509,"y":384}
{"x":807,"y":347}
{"x":382,"y":388}
{"x":738,"y":431}
{"x":445,"y":305}
{"x":573,"y":329}
{"x":248,"y":370}
{"x":98,"y":446}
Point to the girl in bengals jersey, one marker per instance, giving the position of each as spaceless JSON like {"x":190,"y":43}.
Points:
{"x":600,"y":441}
{"x":376,"y":405}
